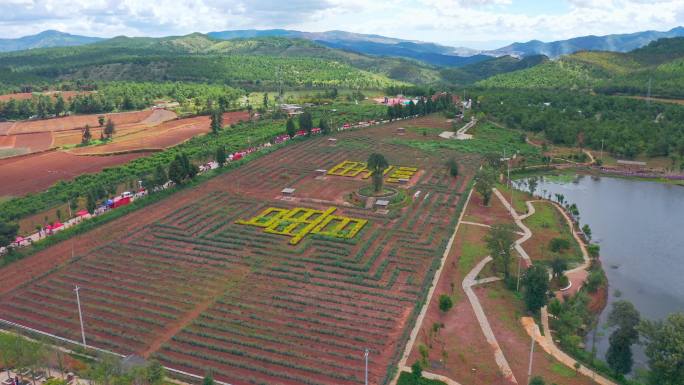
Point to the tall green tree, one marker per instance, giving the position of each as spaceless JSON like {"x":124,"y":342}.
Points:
{"x":500,"y":239}
{"x":377,"y":165}
{"x":160,"y":176}
{"x":536,"y":286}
{"x":109,"y":129}
{"x":626,"y":318}
{"x":216,"y":121}
{"x":323,"y":125}
{"x":452,"y":166}
{"x":665,"y":349}
{"x":290,"y":128}
{"x":8,"y":233}
{"x":485,"y":180}
{"x":221,"y":155}
{"x":60,"y":105}
{"x":306,"y":122}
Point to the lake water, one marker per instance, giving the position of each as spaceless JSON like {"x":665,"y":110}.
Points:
{"x":640,"y":228}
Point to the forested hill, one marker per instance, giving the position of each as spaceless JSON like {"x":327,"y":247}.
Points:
{"x":242,"y":62}
{"x":660,"y":64}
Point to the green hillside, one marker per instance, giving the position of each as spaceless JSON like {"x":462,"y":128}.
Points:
{"x":482,"y":70}
{"x":608,"y":72}
{"x":242,"y":62}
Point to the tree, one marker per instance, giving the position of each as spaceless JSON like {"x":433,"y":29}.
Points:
{"x":306,"y":122}
{"x":265,"y":99}
{"x":453,"y":167}
{"x":532,"y":184}
{"x":176,"y":170}
{"x":216,"y":121}
{"x":85,"y":138}
{"x":101,"y":120}
{"x":323,"y":125}
{"x":60,"y":105}
{"x":500,"y":239}
{"x":665,"y":349}
{"x":493,"y":160}
{"x":8,"y":233}
{"x":160,"y":176}
{"x":619,"y":354}
{"x":417,"y":369}
{"x":221,"y":155}
{"x":536,"y":380}
{"x":109,"y":129}
{"x":625,"y":316}
{"x":208,"y":379}
{"x":377,"y":165}
{"x":536,"y":284}
{"x":485,"y":181}
{"x":558,"y":266}
{"x":290,"y":128}
{"x":587,"y":231}
{"x":445,"y":303}
{"x":155,"y":373}
{"x":10,"y":346}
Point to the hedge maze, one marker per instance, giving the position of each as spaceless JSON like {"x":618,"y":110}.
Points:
{"x":213,"y":285}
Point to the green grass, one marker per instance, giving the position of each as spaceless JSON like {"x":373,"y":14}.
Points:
{"x":519,"y":198}
{"x":7,"y":152}
{"x":406,"y":378}
{"x":487,"y":138}
{"x":563,"y":370}
{"x":548,"y":218}
{"x":470,"y":253}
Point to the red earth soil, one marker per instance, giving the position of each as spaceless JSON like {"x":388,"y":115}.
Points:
{"x":161,"y":136}
{"x":33,"y":173}
{"x":38,"y":141}
{"x":77,"y":122}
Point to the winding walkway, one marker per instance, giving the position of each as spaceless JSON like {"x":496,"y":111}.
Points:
{"x":468,"y":282}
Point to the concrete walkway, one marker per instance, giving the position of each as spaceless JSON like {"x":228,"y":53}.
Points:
{"x":431,"y":292}
{"x":527,"y":233}
{"x":546,"y":342}
{"x":468,"y":282}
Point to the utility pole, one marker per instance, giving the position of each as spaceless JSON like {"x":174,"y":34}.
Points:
{"x":365,"y":355}
{"x":80,"y":315}
{"x":529,"y":369}
{"x":601,"y":149}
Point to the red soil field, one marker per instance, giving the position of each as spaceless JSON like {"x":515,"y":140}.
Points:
{"x":161,"y":136}
{"x":38,"y":141}
{"x":36,"y":172}
{"x":77,"y":122}
{"x":182,"y":282}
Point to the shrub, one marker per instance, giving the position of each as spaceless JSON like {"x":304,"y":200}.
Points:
{"x":559,"y":244}
{"x":445,"y":303}
{"x":417,"y":369}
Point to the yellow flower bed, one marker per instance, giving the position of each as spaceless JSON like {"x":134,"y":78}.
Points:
{"x":401,"y":173}
{"x":352,"y":169}
{"x":299,"y":222}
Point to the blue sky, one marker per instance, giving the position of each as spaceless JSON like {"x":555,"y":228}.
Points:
{"x":474,"y":23}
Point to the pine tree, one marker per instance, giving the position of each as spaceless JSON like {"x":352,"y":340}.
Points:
{"x":323,"y":125}
{"x":216,"y":122}
{"x":109,"y":129}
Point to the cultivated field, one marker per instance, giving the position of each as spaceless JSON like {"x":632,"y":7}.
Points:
{"x":183,"y":282}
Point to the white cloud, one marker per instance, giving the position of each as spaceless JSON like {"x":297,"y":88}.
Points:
{"x":433,"y":20}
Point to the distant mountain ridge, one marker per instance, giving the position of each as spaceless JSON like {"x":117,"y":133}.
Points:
{"x":612,"y":43}
{"x":45,"y":39}
{"x":377,"y":45}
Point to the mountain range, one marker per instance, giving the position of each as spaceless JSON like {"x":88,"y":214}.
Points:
{"x":377,"y":45}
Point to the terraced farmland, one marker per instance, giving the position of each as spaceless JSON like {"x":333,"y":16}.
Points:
{"x":197,"y":290}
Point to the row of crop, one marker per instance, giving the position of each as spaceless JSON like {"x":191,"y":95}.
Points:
{"x":221,"y":324}
{"x":275,"y":348}
{"x":320,"y":319}
{"x":260,"y":366}
{"x":353,"y":303}
{"x":352,"y":296}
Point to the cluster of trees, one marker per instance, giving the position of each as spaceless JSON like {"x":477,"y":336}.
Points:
{"x":424,"y":106}
{"x":18,"y":352}
{"x":305,"y":122}
{"x":120,"y":96}
{"x":623,"y":126}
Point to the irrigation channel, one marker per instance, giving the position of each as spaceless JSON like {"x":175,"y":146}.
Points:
{"x":640,"y":228}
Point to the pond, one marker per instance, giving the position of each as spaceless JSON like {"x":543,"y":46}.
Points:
{"x":640,"y":228}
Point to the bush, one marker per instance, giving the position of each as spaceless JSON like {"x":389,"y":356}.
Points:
{"x":445,"y":303}
{"x":417,"y":369}
{"x":559,"y":244}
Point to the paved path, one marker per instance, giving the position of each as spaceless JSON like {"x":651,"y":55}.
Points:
{"x":468,"y":282}
{"x":546,"y":342}
{"x":475,"y":224}
{"x":435,"y":280}
{"x":527,"y":233}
